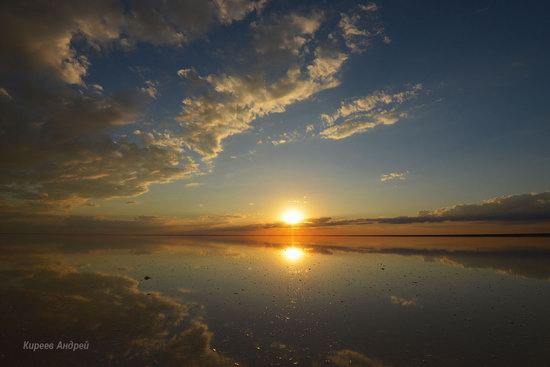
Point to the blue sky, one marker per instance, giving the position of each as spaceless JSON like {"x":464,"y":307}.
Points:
{"x":242,"y":108}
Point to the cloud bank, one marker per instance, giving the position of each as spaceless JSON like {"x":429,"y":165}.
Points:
{"x":57,"y":142}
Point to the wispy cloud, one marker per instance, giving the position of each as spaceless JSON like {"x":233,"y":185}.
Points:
{"x":366,"y":113}
{"x":394,"y":176}
{"x":193,"y":184}
{"x":150,"y":88}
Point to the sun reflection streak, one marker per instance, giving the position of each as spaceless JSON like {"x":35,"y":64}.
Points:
{"x":293,"y":254}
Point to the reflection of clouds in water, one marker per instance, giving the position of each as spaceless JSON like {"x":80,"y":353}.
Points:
{"x":529,"y":265}
{"x":531,"y":260}
{"x":348,"y":357}
{"x":123,"y":325}
{"x":525,"y":263}
{"x":406,"y":302}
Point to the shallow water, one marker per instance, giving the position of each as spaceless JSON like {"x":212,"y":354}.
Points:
{"x":267,"y":301}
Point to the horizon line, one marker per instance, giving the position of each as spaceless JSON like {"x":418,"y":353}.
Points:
{"x":535,"y":234}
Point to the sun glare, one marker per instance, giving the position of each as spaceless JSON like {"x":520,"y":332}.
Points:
{"x":293,"y":254}
{"x":292,"y":216}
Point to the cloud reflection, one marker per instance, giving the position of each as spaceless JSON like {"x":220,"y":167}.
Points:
{"x":123,"y":325}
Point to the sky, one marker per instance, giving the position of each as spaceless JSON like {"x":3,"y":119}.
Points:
{"x":175,"y":116}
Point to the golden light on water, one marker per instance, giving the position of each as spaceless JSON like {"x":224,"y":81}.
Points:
{"x":293,"y":254}
{"x":292,"y":216}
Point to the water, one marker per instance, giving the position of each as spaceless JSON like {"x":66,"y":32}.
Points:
{"x":268,"y":301}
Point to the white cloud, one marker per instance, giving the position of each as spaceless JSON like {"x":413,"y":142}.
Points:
{"x":363,"y":114}
{"x":394,"y":176}
{"x":184,"y":73}
{"x":150,"y":88}
{"x":286,"y":138}
{"x":310,"y":66}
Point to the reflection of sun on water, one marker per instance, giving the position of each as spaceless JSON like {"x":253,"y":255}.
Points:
{"x":293,"y":254}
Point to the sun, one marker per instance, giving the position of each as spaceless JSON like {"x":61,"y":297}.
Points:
{"x":292,"y":216}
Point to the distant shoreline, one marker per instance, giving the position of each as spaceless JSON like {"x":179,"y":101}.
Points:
{"x":486,"y":235}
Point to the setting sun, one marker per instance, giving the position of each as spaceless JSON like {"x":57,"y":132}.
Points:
{"x":292,"y":216}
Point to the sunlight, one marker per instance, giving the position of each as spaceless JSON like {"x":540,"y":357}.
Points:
{"x":292,"y":216}
{"x":293,"y":254}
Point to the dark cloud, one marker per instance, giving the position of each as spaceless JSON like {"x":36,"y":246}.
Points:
{"x":512,"y":208}
{"x":57,"y":142}
{"x":56,"y":148}
{"x":39,"y":36}
{"x":519,"y":209}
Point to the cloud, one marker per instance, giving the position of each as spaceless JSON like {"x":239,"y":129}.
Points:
{"x":394,"y":176}
{"x":295,"y":65}
{"x":193,"y":184}
{"x":54,"y":159}
{"x":511,"y":208}
{"x":40,"y":37}
{"x":231,"y":10}
{"x":96,"y":307}
{"x":358,"y":28}
{"x":366,"y":113}
{"x":285,"y":138}
{"x":150,"y":88}
{"x":58,"y":141}
{"x":283,"y":37}
{"x":4,"y":93}
{"x":30,"y":218}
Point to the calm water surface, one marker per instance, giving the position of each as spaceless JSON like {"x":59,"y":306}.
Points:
{"x":169,"y":301}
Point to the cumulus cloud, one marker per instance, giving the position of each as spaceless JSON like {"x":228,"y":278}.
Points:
{"x":65,"y":154}
{"x":40,"y":36}
{"x":58,"y":138}
{"x":58,"y":142}
{"x":394,"y":176}
{"x":363,"y":114}
{"x":309,"y":65}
